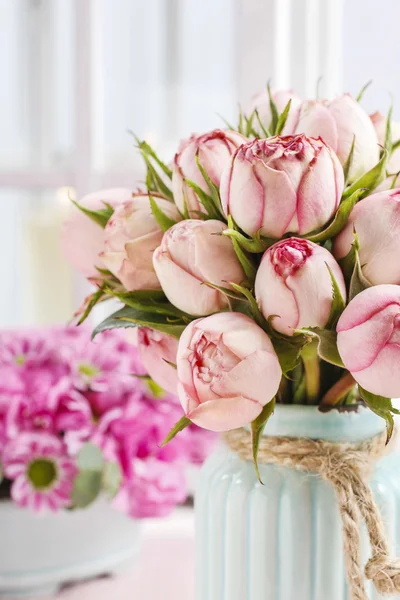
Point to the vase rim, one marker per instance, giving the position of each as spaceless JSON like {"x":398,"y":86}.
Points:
{"x":295,"y":420}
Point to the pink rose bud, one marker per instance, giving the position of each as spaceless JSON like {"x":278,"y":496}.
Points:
{"x":260,"y":102}
{"x":131,"y":236}
{"x":293,"y":282}
{"x":376,"y":219}
{"x":158,"y":354}
{"x":369,"y":339}
{"x":280,"y":185}
{"x":82,"y":239}
{"x":227,"y":371}
{"x":393,"y":166}
{"x":214,"y":150}
{"x":337,"y":122}
{"x":192,"y":253}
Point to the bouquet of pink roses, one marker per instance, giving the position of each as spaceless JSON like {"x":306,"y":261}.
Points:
{"x":261,"y":266}
{"x":78,"y":419}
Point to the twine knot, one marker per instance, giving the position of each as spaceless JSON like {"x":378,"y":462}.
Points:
{"x":385,"y":573}
{"x":347,"y":467}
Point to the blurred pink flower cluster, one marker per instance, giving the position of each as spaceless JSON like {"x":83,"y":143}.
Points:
{"x":60,"y":391}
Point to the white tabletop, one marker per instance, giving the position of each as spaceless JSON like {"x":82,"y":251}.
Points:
{"x":164,"y":570}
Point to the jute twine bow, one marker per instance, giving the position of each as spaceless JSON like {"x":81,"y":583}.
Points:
{"x":347,"y":467}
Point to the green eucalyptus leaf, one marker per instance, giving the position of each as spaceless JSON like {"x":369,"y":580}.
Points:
{"x":111,"y":479}
{"x":283,"y":118}
{"x":338,"y":303}
{"x":370,"y":180}
{"x":87,"y":487}
{"x":100,"y":217}
{"x":164,"y":221}
{"x":90,"y":458}
{"x":382,"y":407}
{"x":257,"y":428}
{"x":341,"y":217}
{"x":363,"y":90}
{"x":349,"y":161}
{"x":177,"y":428}
{"x":327,"y":344}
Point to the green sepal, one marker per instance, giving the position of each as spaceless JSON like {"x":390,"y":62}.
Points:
{"x":243,"y":257}
{"x":257,"y":428}
{"x":154,"y":182}
{"x":254,"y":245}
{"x":228,"y":125}
{"x":349,"y":161}
{"x":100,"y":217}
{"x":382,"y":407}
{"x":338,"y":304}
{"x":341,"y":217}
{"x":394,"y":182}
{"x":255,"y":311}
{"x":327,"y":344}
{"x":214,"y":189}
{"x":363,"y":90}
{"x":274,"y":111}
{"x":264,"y":130}
{"x":205,"y":199}
{"x":351,"y":262}
{"x":92,"y":301}
{"x":145,"y":148}
{"x":370,"y":180}
{"x":137,"y":317}
{"x":111,"y":479}
{"x":283,"y":118}
{"x":164,"y":221}
{"x":388,"y":131}
{"x":288,"y":350}
{"x":177,"y":428}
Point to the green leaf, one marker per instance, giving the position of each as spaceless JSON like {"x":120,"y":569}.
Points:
{"x":90,"y":458}
{"x":162,"y":219}
{"x":257,"y":428}
{"x":288,"y":351}
{"x":327,"y":344}
{"x":214,"y":189}
{"x":178,"y":427}
{"x":87,"y":487}
{"x":363,"y":90}
{"x":394,"y":182}
{"x":382,"y":407}
{"x":274,"y":111}
{"x":205,"y":200}
{"x":257,"y":316}
{"x":100,"y":217}
{"x":349,"y":161}
{"x":341,"y":217}
{"x":155,"y":307}
{"x":338,"y":303}
{"x":132,"y":317}
{"x":111,"y":479}
{"x":283,"y":118}
{"x":370,"y":180}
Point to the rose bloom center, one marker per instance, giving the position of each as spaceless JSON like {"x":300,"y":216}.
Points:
{"x":211,"y":358}
{"x":288,"y":257}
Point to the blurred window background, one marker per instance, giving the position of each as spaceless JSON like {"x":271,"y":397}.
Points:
{"x":76,"y":75}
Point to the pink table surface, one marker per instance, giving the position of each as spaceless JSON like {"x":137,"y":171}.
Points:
{"x":164,"y":570}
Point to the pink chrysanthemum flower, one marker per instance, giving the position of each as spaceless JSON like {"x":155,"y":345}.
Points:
{"x":42,"y":473}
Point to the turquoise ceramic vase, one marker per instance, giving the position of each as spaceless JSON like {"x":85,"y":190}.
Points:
{"x":283,"y":540}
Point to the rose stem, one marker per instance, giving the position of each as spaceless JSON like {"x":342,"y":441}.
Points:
{"x":338,"y":391}
{"x":310,"y":358}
